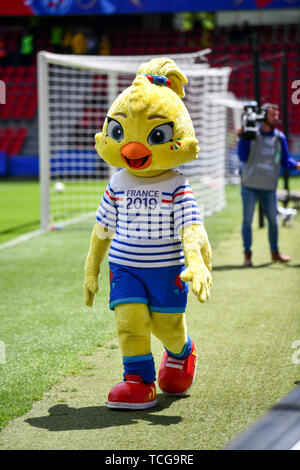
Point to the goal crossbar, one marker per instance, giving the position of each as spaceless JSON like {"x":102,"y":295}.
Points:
{"x":75,"y":93}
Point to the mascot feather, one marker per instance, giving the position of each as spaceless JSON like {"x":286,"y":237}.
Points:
{"x":150,"y":222}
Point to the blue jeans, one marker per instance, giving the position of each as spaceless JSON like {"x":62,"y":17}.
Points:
{"x":269,"y":204}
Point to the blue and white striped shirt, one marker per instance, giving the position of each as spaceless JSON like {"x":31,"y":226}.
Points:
{"x":146,"y":215}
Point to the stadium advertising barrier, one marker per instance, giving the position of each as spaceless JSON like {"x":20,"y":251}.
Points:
{"x":109,"y":7}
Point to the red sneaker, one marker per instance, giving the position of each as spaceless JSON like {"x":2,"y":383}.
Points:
{"x":176,"y":376}
{"x":132,"y":394}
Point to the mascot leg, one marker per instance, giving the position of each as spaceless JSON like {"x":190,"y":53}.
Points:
{"x":137,"y":391}
{"x":178,"y":366}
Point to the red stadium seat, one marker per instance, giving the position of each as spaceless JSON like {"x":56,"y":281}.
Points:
{"x":22,"y":91}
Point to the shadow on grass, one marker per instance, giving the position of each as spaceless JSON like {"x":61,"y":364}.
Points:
{"x":228,"y":267}
{"x":64,"y":418}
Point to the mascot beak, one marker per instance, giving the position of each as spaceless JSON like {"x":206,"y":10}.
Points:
{"x":136,"y":156}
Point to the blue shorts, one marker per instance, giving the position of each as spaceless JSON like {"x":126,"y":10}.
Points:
{"x":160,"y":288}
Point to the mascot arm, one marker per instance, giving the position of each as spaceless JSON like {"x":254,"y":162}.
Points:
{"x":100,"y":241}
{"x":197,"y":253}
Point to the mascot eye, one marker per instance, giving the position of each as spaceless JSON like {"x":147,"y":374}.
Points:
{"x":161,"y":134}
{"x":114,"y":130}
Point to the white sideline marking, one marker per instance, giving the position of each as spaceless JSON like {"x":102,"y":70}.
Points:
{"x":74,"y":220}
{"x":296,"y":446}
{"x":35,"y":233}
{"x":22,"y":238}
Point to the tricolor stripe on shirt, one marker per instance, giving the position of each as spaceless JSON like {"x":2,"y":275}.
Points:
{"x":147,"y":236}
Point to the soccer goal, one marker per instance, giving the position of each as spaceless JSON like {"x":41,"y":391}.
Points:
{"x":75,"y":93}
{"x":227,"y":103}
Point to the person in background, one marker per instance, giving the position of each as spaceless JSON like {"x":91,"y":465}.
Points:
{"x":3,"y":50}
{"x":261,"y":161}
{"x":104,"y":45}
{"x":66,"y":44}
{"x":91,"y":42}
{"x":79,"y":43}
{"x":27,"y":47}
{"x":56,"y":38}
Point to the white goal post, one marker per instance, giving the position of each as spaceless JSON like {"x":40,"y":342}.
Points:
{"x":75,"y":93}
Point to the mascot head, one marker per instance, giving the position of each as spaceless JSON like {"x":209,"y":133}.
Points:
{"x":148,"y":129}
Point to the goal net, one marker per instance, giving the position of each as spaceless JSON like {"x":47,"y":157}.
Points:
{"x":232,"y":108}
{"x":75,"y":93}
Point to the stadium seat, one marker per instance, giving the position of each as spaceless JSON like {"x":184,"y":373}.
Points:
{"x":12,"y":139}
{"x":22,"y":96}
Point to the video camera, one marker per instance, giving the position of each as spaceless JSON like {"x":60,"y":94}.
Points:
{"x":250,"y":117}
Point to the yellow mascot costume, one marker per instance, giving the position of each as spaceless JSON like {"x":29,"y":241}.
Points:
{"x":150,"y":220}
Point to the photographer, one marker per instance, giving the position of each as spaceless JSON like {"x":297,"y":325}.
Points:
{"x":262,"y":155}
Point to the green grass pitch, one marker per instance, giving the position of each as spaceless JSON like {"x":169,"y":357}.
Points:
{"x":244,"y":334}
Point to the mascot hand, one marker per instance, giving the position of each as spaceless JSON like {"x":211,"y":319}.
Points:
{"x":90,"y":289}
{"x":206,"y":253}
{"x":197,"y":253}
{"x":198,"y":273}
{"x":100,"y":241}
